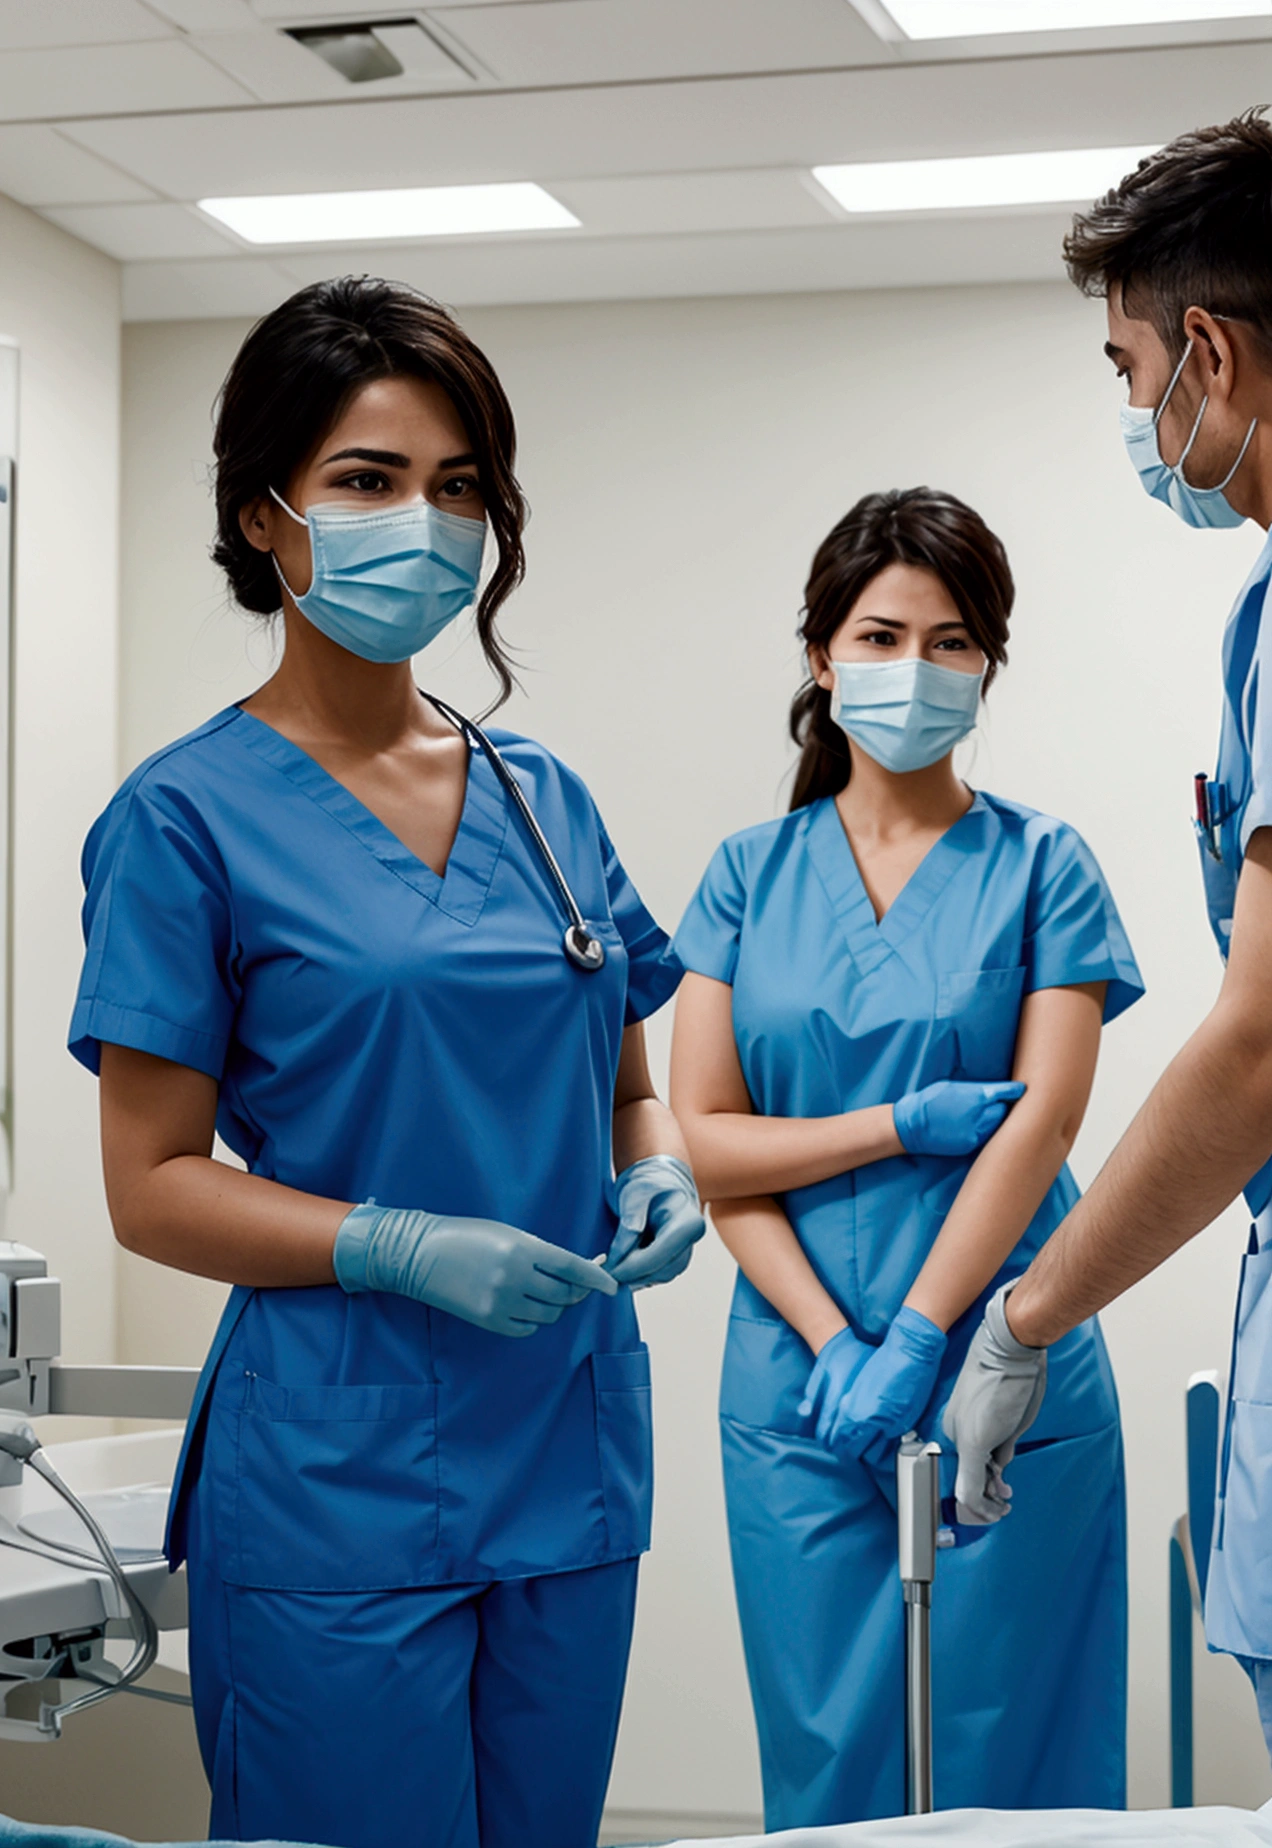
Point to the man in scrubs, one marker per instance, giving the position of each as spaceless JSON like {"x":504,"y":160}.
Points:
{"x":1182,"y":250}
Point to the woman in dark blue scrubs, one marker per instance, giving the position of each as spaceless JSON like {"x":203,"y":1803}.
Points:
{"x":319,"y":925}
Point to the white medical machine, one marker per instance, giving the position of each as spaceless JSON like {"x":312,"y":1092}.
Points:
{"x":76,"y":1573}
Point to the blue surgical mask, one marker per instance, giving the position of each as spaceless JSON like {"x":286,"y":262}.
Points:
{"x":905,"y":714}
{"x":1201,"y":507}
{"x":386,"y":582}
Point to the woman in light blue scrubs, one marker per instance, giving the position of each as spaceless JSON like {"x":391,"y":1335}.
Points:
{"x":418,"y":1474}
{"x":883,"y":1052}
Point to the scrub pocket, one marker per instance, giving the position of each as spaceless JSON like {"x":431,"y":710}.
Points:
{"x":335,"y":1488}
{"x":983,"y":1008}
{"x":765,"y":1373}
{"x":625,"y":1441}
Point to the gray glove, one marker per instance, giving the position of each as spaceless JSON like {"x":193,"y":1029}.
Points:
{"x":996,"y":1398}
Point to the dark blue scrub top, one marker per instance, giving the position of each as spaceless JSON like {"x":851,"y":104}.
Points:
{"x":378,"y":1032}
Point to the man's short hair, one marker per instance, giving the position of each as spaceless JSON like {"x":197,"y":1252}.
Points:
{"x":1192,"y":226}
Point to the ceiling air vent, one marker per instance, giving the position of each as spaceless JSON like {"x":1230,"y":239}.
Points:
{"x":370,"y":50}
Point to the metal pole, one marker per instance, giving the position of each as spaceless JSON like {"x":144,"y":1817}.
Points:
{"x":918,"y":1513}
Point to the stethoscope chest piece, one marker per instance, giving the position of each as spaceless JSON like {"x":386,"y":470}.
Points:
{"x":584,"y":950}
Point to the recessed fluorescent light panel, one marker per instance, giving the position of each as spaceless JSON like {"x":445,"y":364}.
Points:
{"x":373,"y":217}
{"x":978,"y":180}
{"x":944,"y":19}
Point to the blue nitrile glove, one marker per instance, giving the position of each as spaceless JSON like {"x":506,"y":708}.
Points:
{"x":996,"y":1398}
{"x":886,"y":1397}
{"x":837,"y":1366}
{"x":492,"y":1275}
{"x":659,"y":1222}
{"x":953,"y":1116}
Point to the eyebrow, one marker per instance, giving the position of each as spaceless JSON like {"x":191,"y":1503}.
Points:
{"x":890,"y":622}
{"x":389,"y":458}
{"x":1115,"y":353}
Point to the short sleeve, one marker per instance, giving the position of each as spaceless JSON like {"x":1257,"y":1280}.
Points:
{"x":707,"y":941}
{"x":1073,"y":933}
{"x":653,"y":968}
{"x":158,"y":936}
{"x":1257,"y":713}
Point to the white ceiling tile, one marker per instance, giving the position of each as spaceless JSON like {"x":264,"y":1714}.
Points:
{"x":732,"y":263}
{"x":75,"y":22}
{"x":889,"y":112}
{"x":38,"y":166}
{"x":207,"y":15}
{"x":278,"y":70}
{"x":598,"y":41}
{"x":135,"y":233}
{"x":312,"y":12}
{"x":679,"y":202}
{"x":161,"y":74}
{"x":272,"y":66}
{"x":202,"y":291}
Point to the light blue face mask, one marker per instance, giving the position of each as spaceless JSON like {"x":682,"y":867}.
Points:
{"x":385,"y":583}
{"x":905,"y":714}
{"x":1201,"y":507}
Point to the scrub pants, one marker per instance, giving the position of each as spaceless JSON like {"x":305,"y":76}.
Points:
{"x":1028,"y":1632}
{"x":455,"y":1716}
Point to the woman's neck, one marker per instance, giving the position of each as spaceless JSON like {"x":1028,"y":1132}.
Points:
{"x":878,"y":804}
{"x":322,"y":693}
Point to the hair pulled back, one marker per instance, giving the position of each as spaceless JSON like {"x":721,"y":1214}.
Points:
{"x":905,"y":526}
{"x":290,"y":382}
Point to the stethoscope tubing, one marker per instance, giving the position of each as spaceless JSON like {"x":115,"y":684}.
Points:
{"x":584,"y":950}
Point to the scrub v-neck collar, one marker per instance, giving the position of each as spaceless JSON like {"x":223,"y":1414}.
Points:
{"x":461,"y":891}
{"x":872,"y":940}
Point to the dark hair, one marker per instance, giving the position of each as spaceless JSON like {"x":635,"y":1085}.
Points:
{"x":906,"y":526}
{"x":1191,"y":226}
{"x":292,"y":378}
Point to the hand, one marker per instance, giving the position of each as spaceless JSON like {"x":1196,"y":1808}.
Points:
{"x":659,"y":1222}
{"x":886,"y":1396}
{"x":995,"y":1400}
{"x":837,"y":1366}
{"x":495,"y":1276}
{"x":952,"y":1116}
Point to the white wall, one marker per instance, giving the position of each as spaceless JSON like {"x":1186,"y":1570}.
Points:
{"x":60,"y":301}
{"x":683,"y":459}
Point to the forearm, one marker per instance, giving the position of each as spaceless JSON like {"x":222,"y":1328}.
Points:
{"x":644,"y":1126}
{"x":1004,"y":1188}
{"x":737,"y":1156}
{"x":196,"y":1214}
{"x":1204,"y":1130}
{"x":760,"y":1237}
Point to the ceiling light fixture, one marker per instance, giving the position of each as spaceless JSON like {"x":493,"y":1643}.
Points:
{"x":1063,"y":178}
{"x":371,"y":217}
{"x":945,"y":19}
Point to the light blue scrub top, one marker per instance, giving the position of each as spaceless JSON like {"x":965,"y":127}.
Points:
{"x":834,"y":1012}
{"x":1239,"y":1583}
{"x":1242,"y":789}
{"x":379,"y":1032}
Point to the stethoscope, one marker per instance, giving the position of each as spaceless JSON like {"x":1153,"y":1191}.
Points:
{"x":584,"y":950}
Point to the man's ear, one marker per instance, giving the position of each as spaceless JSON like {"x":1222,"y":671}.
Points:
{"x":1213,"y":340}
{"x":256,"y":520}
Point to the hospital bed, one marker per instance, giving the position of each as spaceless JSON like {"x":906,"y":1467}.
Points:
{"x":1193,"y":1828}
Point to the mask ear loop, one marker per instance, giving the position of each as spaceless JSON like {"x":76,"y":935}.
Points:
{"x":300,"y":521}
{"x":1192,"y":437}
